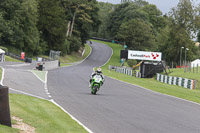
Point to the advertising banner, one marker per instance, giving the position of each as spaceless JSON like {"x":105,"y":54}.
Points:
{"x":22,"y":55}
{"x":143,"y":55}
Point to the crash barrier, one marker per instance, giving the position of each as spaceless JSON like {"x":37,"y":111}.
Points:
{"x":47,"y":65}
{"x":18,"y":57}
{"x":125,"y":70}
{"x":4,"y":107}
{"x":106,"y":40}
{"x":186,"y":83}
{"x":138,"y":74}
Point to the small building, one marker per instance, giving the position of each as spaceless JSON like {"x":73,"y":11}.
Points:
{"x":195,"y":63}
{"x":2,"y":55}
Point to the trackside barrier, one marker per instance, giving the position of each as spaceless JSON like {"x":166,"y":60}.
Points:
{"x":186,"y":83}
{"x":138,"y":74}
{"x":47,"y":65}
{"x":125,"y":70}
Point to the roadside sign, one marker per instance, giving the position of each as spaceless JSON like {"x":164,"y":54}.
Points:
{"x":22,"y":55}
{"x":125,"y":46}
{"x":143,"y":55}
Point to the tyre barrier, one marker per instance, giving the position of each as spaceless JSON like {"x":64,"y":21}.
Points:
{"x":184,"y":82}
{"x":138,"y":74}
{"x":127,"y":71}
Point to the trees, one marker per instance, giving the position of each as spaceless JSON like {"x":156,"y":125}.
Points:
{"x":37,"y":26}
{"x":82,"y":15}
{"x":181,"y":29}
{"x":137,"y":34}
{"x":142,"y":26}
{"x":104,"y":10}
{"x":52,"y":24}
{"x":18,"y":25}
{"x":137,"y":24}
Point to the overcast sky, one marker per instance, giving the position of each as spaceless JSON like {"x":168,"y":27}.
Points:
{"x":163,"y":5}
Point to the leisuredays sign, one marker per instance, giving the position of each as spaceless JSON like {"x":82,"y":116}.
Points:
{"x":143,"y":55}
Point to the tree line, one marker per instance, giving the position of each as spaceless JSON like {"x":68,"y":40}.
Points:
{"x":38,"y":26}
{"x":142,"y":26}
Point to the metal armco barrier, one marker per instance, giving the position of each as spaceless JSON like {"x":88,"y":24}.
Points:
{"x":4,"y":107}
{"x":127,"y":71}
{"x":186,"y":83}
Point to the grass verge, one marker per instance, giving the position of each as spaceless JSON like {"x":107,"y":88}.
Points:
{"x":10,"y":59}
{"x":41,"y":114}
{"x":74,"y":57}
{"x":152,"y":84}
{"x":177,"y":72}
{"x":41,"y":74}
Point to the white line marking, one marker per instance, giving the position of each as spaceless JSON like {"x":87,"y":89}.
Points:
{"x":2,"y":76}
{"x":28,"y":94}
{"x":148,"y":89}
{"x":38,"y":76}
{"x":110,"y":56}
{"x":87,"y":129}
{"x":83,"y":59}
{"x":46,"y":88}
{"x":108,"y":59}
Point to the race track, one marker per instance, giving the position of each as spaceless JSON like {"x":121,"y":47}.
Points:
{"x":118,"y":107}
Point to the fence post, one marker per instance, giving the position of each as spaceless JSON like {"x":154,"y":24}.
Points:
{"x":193,"y":68}
{"x":4,"y":107}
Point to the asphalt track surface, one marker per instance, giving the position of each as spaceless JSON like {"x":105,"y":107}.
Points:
{"x":119,"y":107}
{"x":19,"y":77}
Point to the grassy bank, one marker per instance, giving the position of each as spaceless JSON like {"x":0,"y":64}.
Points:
{"x":152,"y":84}
{"x":190,"y":75}
{"x":75,"y":57}
{"x":10,"y":59}
{"x":41,"y":114}
{"x":180,"y":73}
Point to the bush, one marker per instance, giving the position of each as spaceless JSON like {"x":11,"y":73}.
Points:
{"x":4,"y":48}
{"x":75,"y":44}
{"x":131,"y":62}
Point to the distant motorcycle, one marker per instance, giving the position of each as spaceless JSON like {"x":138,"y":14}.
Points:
{"x":97,"y":82}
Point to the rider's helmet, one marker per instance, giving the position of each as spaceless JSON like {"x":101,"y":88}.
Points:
{"x":99,"y":71}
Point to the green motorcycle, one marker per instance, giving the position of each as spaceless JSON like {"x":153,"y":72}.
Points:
{"x":97,"y":82}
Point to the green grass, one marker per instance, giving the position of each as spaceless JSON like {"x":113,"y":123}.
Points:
{"x":10,"y":59}
{"x":190,"y":75}
{"x":74,"y":57}
{"x":152,"y":84}
{"x":180,"y":73}
{"x":42,"y":56}
{"x":5,"y":129}
{"x":40,"y":74}
{"x":41,"y":114}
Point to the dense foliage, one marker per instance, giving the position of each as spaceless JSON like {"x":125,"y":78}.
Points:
{"x":142,"y":26}
{"x":38,"y":26}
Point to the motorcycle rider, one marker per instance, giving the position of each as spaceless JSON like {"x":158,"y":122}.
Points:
{"x":97,"y":72}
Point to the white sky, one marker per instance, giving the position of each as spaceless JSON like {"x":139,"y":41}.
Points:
{"x":163,"y":5}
